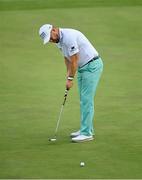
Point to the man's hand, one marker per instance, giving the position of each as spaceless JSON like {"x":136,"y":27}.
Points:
{"x":69,"y":84}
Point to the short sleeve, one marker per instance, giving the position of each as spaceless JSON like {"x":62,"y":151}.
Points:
{"x":72,"y":47}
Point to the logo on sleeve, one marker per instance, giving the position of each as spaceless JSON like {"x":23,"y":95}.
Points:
{"x":72,"y":48}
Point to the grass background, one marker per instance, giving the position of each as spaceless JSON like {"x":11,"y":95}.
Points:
{"x":32,"y":83}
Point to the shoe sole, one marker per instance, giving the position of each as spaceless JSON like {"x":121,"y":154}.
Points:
{"x":85,"y":140}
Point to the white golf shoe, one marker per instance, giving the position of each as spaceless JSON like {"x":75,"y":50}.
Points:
{"x":75,"y":134}
{"x":82,"y":138}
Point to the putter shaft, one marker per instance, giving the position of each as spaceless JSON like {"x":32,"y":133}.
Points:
{"x":62,"y":107}
{"x":59,"y":120}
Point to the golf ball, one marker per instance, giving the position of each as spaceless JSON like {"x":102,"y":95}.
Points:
{"x":82,"y":164}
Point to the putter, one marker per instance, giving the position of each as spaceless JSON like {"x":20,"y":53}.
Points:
{"x":59,"y":118}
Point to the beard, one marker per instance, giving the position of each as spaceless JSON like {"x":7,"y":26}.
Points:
{"x":57,"y":40}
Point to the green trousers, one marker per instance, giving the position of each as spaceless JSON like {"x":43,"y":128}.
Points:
{"x":88,"y":78}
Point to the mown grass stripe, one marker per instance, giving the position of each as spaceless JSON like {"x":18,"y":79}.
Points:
{"x":47,"y":4}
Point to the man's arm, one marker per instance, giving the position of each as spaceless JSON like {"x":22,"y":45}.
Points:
{"x":67,"y":63}
{"x":71,"y":65}
{"x":71,"y":69}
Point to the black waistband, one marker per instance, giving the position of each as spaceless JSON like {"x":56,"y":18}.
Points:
{"x":93,"y":59}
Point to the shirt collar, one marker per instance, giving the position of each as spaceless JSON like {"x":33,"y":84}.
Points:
{"x":61,"y":35}
{"x":59,"y":44}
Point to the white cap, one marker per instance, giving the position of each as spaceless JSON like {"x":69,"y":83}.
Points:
{"x":44,"y":32}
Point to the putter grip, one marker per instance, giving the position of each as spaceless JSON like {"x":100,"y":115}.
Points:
{"x":66,"y":93}
{"x":65,"y":97}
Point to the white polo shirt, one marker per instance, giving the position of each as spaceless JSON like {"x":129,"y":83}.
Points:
{"x":72,"y":42}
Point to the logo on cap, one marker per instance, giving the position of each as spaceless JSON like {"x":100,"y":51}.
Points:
{"x":43,"y":35}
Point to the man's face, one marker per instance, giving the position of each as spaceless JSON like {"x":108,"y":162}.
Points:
{"x":54,"y":36}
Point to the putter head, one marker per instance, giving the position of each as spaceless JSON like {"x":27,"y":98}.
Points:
{"x":53,"y":139}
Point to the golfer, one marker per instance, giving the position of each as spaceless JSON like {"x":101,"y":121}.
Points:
{"x":82,"y":58}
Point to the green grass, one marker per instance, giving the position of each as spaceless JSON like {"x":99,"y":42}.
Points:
{"x":32,"y":83}
{"x":47,"y":4}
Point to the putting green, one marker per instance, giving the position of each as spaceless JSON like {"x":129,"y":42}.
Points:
{"x":32,"y":83}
